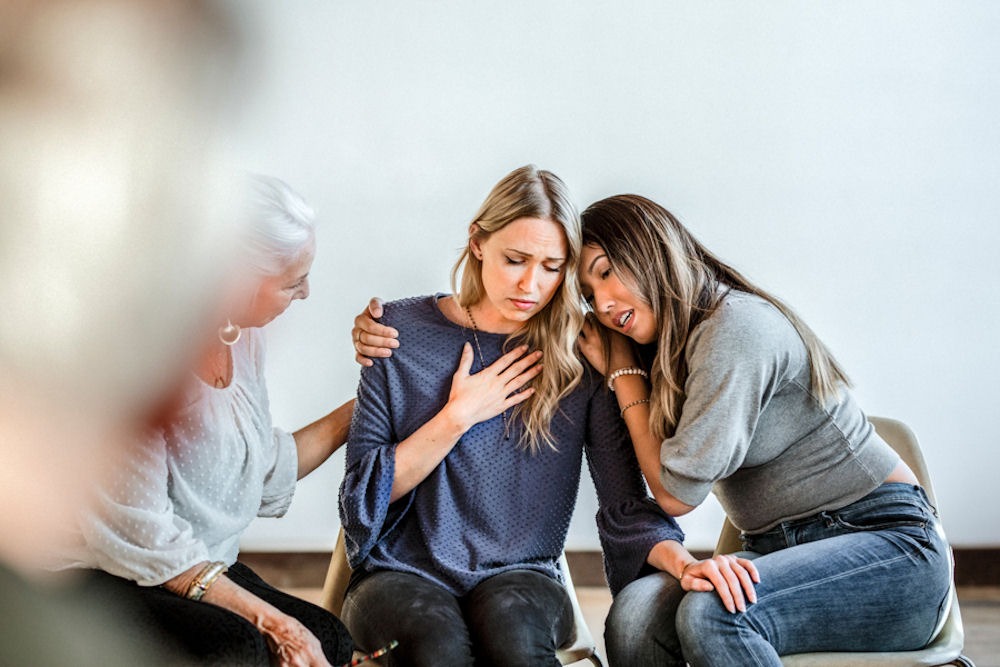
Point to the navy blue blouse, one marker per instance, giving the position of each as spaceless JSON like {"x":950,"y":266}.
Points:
{"x":491,"y":505}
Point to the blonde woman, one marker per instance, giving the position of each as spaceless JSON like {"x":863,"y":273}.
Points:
{"x":744,"y":400}
{"x":460,"y":483}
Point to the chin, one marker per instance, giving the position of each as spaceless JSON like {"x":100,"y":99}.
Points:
{"x":515,"y":315}
{"x":644,"y":338}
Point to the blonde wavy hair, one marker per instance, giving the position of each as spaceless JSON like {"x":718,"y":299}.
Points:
{"x":529,"y":192}
{"x":663,"y":263}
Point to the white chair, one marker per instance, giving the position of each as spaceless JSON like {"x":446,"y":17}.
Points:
{"x":946,"y":648}
{"x":581,"y":648}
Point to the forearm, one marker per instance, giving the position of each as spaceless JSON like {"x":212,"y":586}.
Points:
{"x":228,"y":595}
{"x":419,"y":454}
{"x":317,"y":441}
{"x":671,"y":557}
{"x":630,"y":390}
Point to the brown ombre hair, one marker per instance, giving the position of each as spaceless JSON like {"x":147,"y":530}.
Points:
{"x":683,"y":282}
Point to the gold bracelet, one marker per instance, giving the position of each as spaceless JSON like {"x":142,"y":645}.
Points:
{"x":633,"y":404}
{"x":629,"y":370}
{"x":208,"y":575}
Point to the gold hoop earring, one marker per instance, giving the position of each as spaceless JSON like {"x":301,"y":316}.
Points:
{"x":230,"y":333}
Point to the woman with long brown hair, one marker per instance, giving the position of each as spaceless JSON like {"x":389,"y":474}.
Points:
{"x":724,"y":389}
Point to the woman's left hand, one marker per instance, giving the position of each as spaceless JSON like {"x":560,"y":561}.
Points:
{"x":733,"y":578}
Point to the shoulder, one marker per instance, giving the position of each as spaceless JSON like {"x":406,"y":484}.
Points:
{"x":744,"y":325}
{"x":427,"y":338}
{"x":410,"y":311}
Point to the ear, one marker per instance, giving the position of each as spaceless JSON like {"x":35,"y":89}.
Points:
{"x":474,"y":245}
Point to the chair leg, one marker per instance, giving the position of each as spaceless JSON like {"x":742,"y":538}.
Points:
{"x":597,"y":661}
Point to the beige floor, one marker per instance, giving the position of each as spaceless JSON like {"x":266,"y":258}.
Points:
{"x":980,"y":615}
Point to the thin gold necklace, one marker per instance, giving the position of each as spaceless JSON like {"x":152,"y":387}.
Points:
{"x":482,"y":363}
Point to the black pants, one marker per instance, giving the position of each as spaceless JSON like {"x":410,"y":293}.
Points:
{"x":517,"y":618}
{"x":216,"y":636}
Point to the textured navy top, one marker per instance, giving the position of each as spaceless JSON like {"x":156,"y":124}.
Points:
{"x":490,"y":505}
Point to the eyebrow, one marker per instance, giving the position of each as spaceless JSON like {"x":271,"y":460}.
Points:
{"x":528,"y":254}
{"x":594,"y":261}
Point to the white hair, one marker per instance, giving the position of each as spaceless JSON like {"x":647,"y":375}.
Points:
{"x":280,"y":225}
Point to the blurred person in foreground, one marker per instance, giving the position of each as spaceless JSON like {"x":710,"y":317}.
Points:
{"x":112,"y":236}
{"x":167,"y":524}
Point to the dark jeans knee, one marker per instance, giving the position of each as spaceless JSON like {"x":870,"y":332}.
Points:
{"x":424,"y":618}
{"x":518,"y":618}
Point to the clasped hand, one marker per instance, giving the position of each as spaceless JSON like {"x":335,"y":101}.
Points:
{"x":291,"y":643}
{"x":732,"y":577}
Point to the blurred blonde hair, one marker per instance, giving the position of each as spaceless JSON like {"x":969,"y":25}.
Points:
{"x":117,"y":218}
{"x":529,"y":192}
{"x":114,"y":241}
{"x":663,"y":263}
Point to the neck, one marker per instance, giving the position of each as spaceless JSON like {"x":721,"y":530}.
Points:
{"x":214,"y":367}
{"x":488,"y":319}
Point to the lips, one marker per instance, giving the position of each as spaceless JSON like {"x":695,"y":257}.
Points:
{"x":624,"y":318}
{"x":523,"y":305}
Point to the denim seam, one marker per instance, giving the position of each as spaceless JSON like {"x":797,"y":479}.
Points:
{"x":742,"y":627}
{"x":839,"y":575}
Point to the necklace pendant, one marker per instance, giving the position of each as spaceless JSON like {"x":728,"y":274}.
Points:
{"x":482,"y":365}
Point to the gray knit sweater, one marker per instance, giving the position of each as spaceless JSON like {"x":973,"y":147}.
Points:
{"x":752,"y":430}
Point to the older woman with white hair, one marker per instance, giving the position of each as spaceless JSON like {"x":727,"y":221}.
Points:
{"x":166,"y":528}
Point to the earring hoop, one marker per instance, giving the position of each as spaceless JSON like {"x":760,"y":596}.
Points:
{"x":230,"y":333}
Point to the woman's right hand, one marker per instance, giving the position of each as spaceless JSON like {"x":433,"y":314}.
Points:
{"x":371,"y":339}
{"x":472,"y":399}
{"x":291,"y":643}
{"x":494,"y":389}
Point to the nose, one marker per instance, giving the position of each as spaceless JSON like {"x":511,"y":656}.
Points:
{"x":602,"y":303}
{"x":303,"y":291}
{"x":529,"y":279}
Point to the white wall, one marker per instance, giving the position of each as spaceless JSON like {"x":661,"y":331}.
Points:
{"x":846,"y":155}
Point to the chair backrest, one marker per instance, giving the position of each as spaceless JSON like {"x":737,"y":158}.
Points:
{"x":338,"y":575}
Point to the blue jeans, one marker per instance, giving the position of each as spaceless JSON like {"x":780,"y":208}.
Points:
{"x":518,"y":618}
{"x":872,"y":576}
